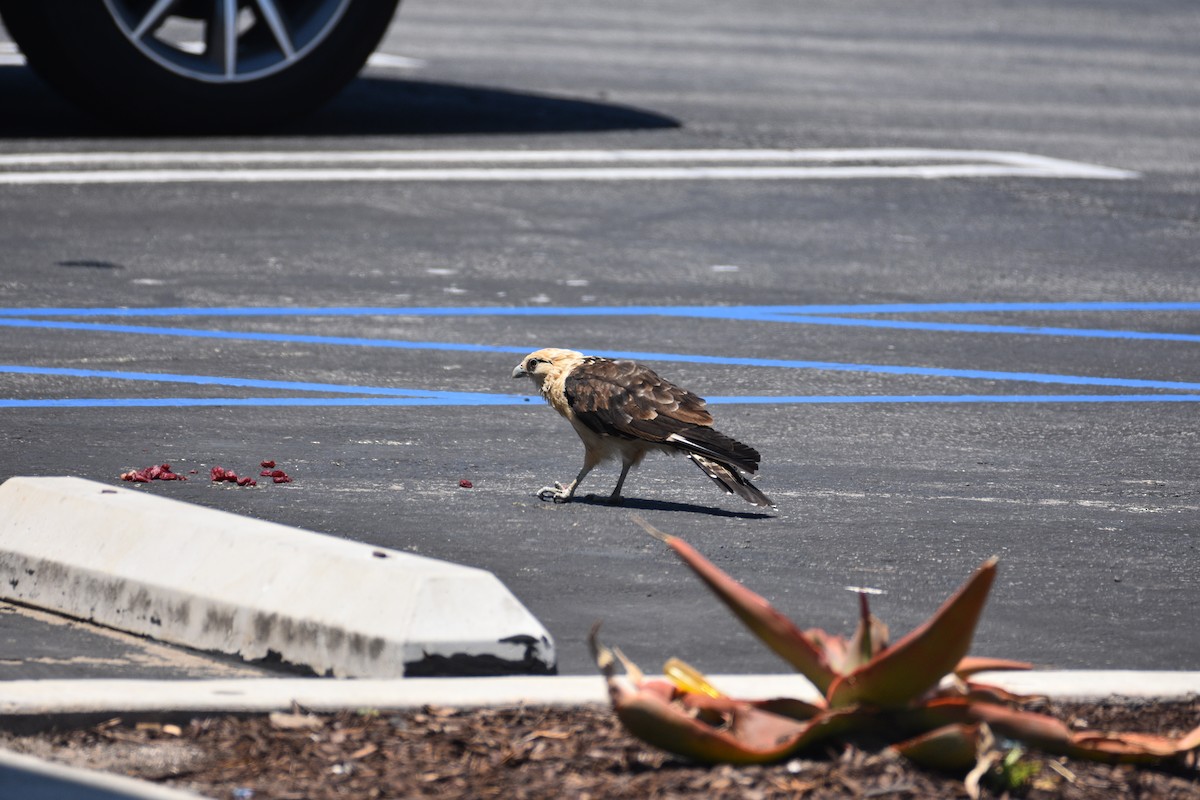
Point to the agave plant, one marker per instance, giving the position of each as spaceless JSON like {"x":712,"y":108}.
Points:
{"x":916,"y":695}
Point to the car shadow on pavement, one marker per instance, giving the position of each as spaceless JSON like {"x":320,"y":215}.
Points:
{"x":368,"y":106}
{"x":381,"y":106}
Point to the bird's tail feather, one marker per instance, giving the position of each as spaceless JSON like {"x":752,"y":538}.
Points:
{"x":709,"y":443}
{"x":729,"y":479}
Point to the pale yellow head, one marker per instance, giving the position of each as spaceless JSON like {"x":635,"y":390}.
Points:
{"x":540,"y":365}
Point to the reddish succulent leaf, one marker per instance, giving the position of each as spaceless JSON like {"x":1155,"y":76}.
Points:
{"x":986,"y":693}
{"x":869,"y":640}
{"x":1127,"y":748}
{"x":646,"y":710}
{"x":710,"y":706}
{"x":705,"y":728}
{"x":747,"y":735}
{"x":790,"y":707}
{"x":939,"y":712}
{"x":1040,"y":730}
{"x":1053,"y":736}
{"x":833,"y":647}
{"x":773,"y":628}
{"x":953,"y":748}
{"x":918,"y":661}
{"x":973,"y":664}
{"x":661,"y":724}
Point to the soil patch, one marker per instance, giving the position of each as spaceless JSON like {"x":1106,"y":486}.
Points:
{"x":561,"y":752}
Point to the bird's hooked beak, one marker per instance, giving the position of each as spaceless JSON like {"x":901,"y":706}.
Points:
{"x":519,"y":371}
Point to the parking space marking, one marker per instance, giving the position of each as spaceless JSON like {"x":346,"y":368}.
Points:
{"x":483,"y":399}
{"x":537,"y":165}
{"x":807,"y":315}
{"x":1174,"y":391}
{"x":405,"y":344}
{"x":10,"y":56}
{"x":415,"y":395}
{"x":733,"y":312}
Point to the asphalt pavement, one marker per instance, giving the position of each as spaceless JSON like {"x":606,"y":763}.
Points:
{"x":937,"y":366}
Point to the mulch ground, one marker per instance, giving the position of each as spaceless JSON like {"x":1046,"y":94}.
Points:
{"x":553,"y":752}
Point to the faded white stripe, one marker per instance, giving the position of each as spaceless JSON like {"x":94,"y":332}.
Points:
{"x":537,"y":165}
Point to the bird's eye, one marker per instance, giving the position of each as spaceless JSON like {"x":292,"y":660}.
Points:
{"x":531,"y":364}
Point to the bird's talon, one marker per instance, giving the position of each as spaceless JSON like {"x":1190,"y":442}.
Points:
{"x":556,"y":493}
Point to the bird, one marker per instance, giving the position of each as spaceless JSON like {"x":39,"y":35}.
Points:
{"x":621,"y":408}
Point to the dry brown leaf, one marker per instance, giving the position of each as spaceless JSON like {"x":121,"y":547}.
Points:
{"x":296,"y":721}
{"x":364,"y":751}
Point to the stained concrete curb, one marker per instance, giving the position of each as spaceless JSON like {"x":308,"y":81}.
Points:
{"x":216,"y":581}
{"x":29,"y":778}
{"x":50,"y":698}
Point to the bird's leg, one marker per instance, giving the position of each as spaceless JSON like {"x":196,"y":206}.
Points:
{"x":563,"y":494}
{"x":614,"y":499}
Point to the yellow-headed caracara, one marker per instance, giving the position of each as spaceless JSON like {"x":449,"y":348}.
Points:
{"x":621,"y":408}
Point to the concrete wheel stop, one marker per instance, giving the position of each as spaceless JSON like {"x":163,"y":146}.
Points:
{"x":212,"y":580}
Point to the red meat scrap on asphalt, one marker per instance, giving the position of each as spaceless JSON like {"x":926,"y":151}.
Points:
{"x":220,"y":474}
{"x":157,"y":472}
{"x":276,"y":475}
{"x":217,"y":474}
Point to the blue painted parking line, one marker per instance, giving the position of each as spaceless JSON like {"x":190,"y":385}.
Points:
{"x":797,"y":315}
{"x":396,"y":396}
{"x":252,"y":383}
{"x":637,"y":355}
{"x":964,"y":327}
{"x":955,"y":398}
{"x":431,"y":399}
{"x":53,"y":319}
{"x":521,"y":311}
{"x":254,"y":336}
{"x":483,"y":399}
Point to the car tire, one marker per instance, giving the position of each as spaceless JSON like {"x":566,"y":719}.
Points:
{"x":255,"y":65}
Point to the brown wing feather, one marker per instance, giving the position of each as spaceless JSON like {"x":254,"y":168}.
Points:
{"x":624,"y":398}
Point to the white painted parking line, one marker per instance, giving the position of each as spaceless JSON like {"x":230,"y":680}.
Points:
{"x":389,"y":61}
{"x":10,"y":56}
{"x":538,"y":165}
{"x":606,"y":157}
